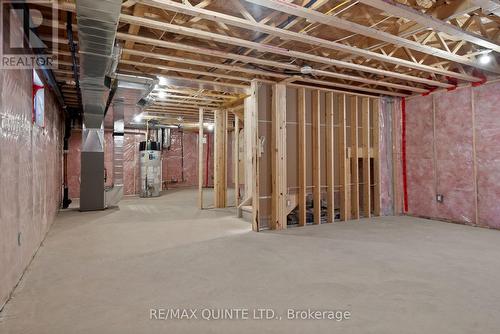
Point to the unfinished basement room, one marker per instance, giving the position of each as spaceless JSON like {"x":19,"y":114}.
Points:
{"x":250,"y":166}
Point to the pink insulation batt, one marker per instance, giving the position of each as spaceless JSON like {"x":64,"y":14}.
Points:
{"x":31,"y":174}
{"x":171,"y":161}
{"x":441,"y":159}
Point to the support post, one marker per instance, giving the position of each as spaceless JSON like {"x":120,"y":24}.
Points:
{"x":301,"y":107}
{"x":376,"y":157}
{"x":236,"y":159}
{"x":279,"y":180}
{"x":316,"y":149}
{"x":365,"y":120}
{"x":354,"y":158}
{"x":330,"y":159}
{"x":220,"y":158}
{"x":343,"y":161}
{"x":200,"y":158}
{"x":251,"y":152}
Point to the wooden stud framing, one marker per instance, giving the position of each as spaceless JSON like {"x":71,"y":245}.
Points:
{"x":354,"y":158}
{"x":236,"y":160}
{"x":226,"y":145}
{"x":220,"y":138}
{"x":376,"y":157}
{"x":278,"y":172}
{"x":251,"y":152}
{"x":200,"y":159}
{"x":301,"y":107}
{"x":365,"y":121}
{"x":330,"y":159}
{"x":316,"y":155}
{"x":345,"y":209}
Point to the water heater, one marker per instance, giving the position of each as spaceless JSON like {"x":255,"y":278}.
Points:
{"x":151,"y":173}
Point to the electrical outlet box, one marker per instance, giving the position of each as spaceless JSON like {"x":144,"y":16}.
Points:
{"x":439,"y":198}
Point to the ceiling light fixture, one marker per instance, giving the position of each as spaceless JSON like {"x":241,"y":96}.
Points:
{"x":138,"y":118}
{"x":306,"y":69}
{"x":484,"y":59}
{"x":162,"y":94}
{"x":162,"y":81}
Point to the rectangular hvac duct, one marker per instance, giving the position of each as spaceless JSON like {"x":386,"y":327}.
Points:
{"x":97,"y":25}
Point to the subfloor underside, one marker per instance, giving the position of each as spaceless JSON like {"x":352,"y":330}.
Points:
{"x":103,"y":272}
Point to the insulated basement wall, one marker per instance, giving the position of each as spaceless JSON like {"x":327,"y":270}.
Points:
{"x":451,"y":137}
{"x":172,"y":170}
{"x":31,"y":174}
{"x":172,"y":160}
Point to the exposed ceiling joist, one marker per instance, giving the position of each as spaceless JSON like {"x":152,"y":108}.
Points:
{"x":400,"y":10}
{"x":285,"y":34}
{"x":281,"y":65}
{"x":197,"y":33}
{"x":315,"y":16}
{"x":185,"y":60}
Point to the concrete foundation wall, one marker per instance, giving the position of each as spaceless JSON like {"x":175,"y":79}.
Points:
{"x":30,"y":177}
{"x":451,"y":137}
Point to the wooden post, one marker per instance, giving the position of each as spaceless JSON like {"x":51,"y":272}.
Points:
{"x":236,"y":160}
{"x":376,"y":157}
{"x":278,"y":173}
{"x":365,"y":120}
{"x":330,"y":160}
{"x":200,"y":159}
{"x":226,"y":145}
{"x":316,"y":149}
{"x":343,"y":166}
{"x":354,"y":158}
{"x":301,"y":108}
{"x":251,"y":157}
{"x":220,"y":159}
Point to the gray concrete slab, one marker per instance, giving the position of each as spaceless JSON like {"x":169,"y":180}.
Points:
{"x":102,"y":272}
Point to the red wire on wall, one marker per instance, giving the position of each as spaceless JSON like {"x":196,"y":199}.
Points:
{"x":403,"y":154}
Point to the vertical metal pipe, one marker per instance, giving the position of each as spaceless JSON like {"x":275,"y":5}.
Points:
{"x":67,"y":133}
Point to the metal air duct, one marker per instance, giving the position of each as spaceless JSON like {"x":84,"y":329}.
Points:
{"x":97,"y":25}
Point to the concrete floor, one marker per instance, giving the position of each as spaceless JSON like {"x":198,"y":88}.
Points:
{"x":102,"y":272}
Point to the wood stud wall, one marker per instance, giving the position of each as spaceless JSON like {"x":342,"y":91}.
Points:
{"x":200,"y":159}
{"x":316,"y":154}
{"x":345,"y":206}
{"x":330,"y":157}
{"x":220,"y":158}
{"x":344,"y":135}
{"x":278,"y":221}
{"x":301,"y":106}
